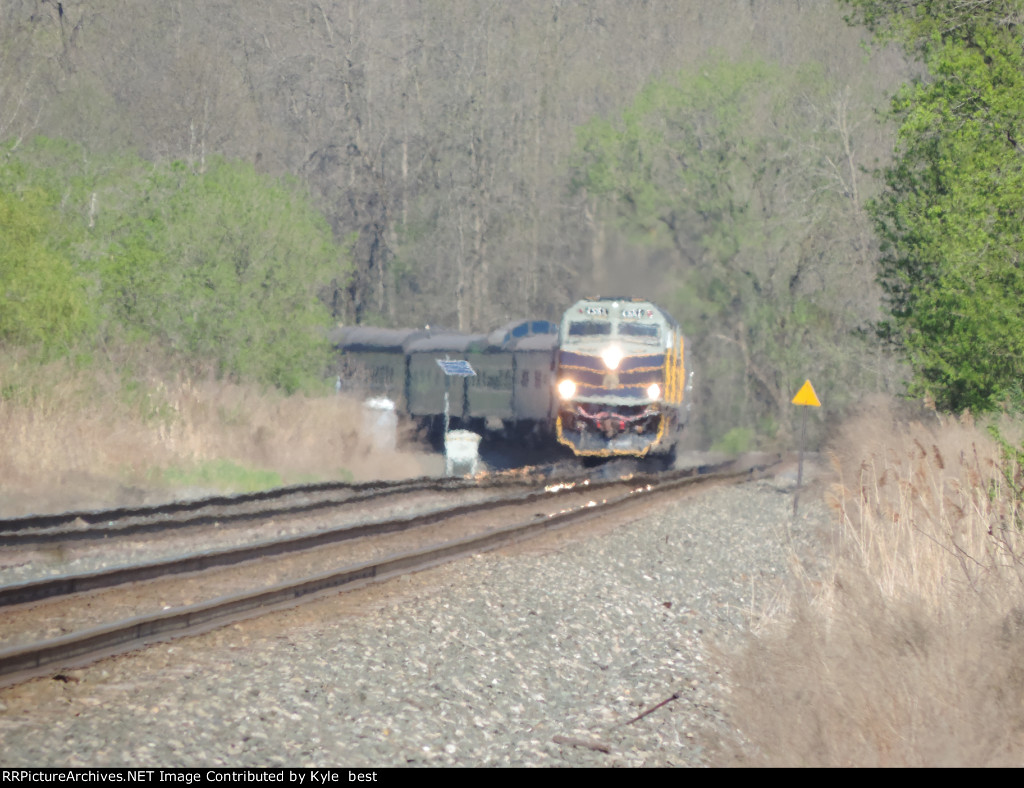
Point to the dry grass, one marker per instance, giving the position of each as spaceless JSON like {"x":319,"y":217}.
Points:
{"x":911,"y":651}
{"x":71,"y":439}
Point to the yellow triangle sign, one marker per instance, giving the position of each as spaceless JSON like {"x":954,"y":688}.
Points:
{"x":806,"y":395}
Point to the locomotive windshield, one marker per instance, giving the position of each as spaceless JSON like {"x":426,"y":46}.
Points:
{"x":643,"y":330}
{"x":589,"y":328}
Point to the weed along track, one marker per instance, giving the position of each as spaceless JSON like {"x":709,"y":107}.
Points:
{"x":72,"y":619}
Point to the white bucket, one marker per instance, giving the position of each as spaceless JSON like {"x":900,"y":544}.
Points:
{"x":381,"y":423}
{"x":461,"y":452}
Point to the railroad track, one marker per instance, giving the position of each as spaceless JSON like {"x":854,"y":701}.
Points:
{"x":42,"y":624}
{"x":225,"y":510}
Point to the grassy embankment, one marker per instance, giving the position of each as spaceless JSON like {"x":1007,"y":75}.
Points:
{"x":910,"y":651}
{"x":73,"y":438}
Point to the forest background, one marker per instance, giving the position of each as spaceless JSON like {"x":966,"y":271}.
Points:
{"x":192,"y":191}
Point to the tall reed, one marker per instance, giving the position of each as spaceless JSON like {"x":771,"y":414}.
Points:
{"x":910,"y":650}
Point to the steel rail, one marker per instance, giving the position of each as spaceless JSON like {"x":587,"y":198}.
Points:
{"x":67,"y":585}
{"x":26,"y":661}
{"x":102,"y":524}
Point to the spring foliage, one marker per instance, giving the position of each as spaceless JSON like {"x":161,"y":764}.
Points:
{"x":42,"y":300}
{"x":950,"y":215}
{"x":220,"y":268}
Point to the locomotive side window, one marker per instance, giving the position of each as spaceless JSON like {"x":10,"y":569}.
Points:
{"x":589,"y":328}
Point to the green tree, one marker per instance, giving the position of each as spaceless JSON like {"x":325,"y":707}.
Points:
{"x":949,"y":218}
{"x":920,"y":26}
{"x":222,"y":268}
{"x":43,"y":301}
{"x":225,"y":266}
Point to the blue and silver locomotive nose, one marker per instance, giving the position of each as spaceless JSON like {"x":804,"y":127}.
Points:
{"x":619,"y":375}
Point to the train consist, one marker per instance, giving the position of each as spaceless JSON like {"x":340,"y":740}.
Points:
{"x":609,"y":380}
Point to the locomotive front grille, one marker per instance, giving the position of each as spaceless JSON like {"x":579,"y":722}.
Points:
{"x":600,"y":431}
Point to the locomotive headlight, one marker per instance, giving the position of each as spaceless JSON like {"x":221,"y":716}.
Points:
{"x":653,"y":391}
{"x":566,"y":389}
{"x":612,"y":356}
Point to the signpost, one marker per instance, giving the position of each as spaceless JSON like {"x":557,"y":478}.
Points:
{"x":805,"y":396}
{"x":459,"y":369}
{"x":457,"y":450}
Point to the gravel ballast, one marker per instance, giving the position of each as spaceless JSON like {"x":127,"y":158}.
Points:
{"x":535,"y":657}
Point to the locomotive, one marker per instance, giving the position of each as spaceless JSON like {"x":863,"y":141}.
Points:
{"x":621,"y":379}
{"x":609,"y":380}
